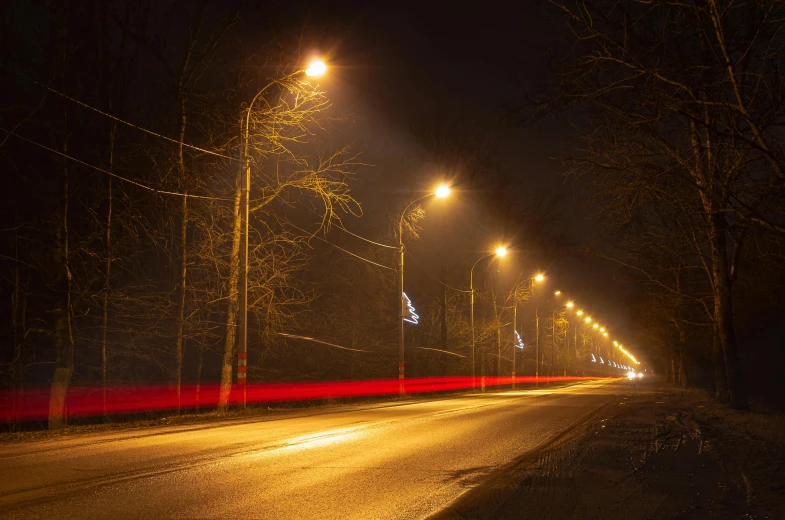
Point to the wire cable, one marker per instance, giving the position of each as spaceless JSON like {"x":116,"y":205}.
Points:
{"x":135,"y":183}
{"x":440,"y":350}
{"x":306,"y":338}
{"x":432,"y":276}
{"x":342,"y":249}
{"x":366,"y":239}
{"x":145,"y":130}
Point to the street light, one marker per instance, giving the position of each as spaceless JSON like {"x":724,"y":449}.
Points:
{"x":315,"y":68}
{"x":501,"y":251}
{"x":441,"y":192}
{"x":569,"y":304}
{"x":537,"y":278}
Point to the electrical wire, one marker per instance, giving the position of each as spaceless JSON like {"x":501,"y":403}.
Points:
{"x":342,"y":249}
{"x":439,"y":350}
{"x":145,"y":130}
{"x":363,"y":238}
{"x":306,"y":338}
{"x":432,"y":276}
{"x":120,"y":177}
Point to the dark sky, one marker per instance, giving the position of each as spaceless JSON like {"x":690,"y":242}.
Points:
{"x":395,"y":65}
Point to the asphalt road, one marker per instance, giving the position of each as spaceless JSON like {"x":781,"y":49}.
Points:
{"x":383,"y":461}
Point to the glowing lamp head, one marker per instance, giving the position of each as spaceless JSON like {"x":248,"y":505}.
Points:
{"x":557,"y":293}
{"x":587,"y":320}
{"x":570,"y":304}
{"x":442,"y":191}
{"x":602,"y":329}
{"x":539,"y":278}
{"x":316,"y":68}
{"x":605,"y":334}
{"x":501,"y":251}
{"x":596,"y":326}
{"x":579,"y":313}
{"x":616,"y":343}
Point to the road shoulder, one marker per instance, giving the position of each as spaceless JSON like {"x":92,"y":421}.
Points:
{"x":649,"y":454}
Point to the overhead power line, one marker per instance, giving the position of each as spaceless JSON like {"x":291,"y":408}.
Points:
{"x":342,"y":249}
{"x":128,"y":123}
{"x":366,"y":239}
{"x":107,"y":172}
{"x":435,"y":278}
{"x":306,"y":338}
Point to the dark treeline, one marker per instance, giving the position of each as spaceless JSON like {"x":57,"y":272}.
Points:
{"x":680,"y":110}
{"x":120,"y":243}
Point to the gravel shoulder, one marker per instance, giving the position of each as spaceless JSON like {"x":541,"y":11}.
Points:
{"x":653,"y":453}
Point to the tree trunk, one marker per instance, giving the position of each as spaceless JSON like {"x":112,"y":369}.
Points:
{"x":107,"y":273}
{"x":181,"y":276}
{"x":181,"y":287}
{"x":723,"y":313}
{"x":720,"y":379}
{"x":64,"y":341}
{"x":497,"y":323}
{"x":233,"y":297}
{"x":199,"y":368}
{"x":443,"y":318}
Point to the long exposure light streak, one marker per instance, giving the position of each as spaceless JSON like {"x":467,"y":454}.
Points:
{"x":87,"y":401}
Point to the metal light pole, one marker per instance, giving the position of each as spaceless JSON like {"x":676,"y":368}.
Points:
{"x":537,"y":342}
{"x":316,"y":68}
{"x":514,"y":338}
{"x":500,"y":252}
{"x":441,"y":192}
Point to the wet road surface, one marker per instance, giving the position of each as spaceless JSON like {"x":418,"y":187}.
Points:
{"x":383,"y":461}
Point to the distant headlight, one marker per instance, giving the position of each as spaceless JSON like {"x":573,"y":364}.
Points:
{"x":640,"y":374}
{"x":631,"y":374}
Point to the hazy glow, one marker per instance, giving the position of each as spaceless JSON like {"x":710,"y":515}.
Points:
{"x":587,"y":320}
{"x":605,"y":334}
{"x":631,"y":374}
{"x":569,"y":304}
{"x":316,"y":68}
{"x":557,"y":293}
{"x":602,"y":329}
{"x":501,"y":251}
{"x":579,"y":313}
{"x":442,"y":191}
{"x":596,"y":326}
{"x":640,"y":374}
{"x":539,"y":277}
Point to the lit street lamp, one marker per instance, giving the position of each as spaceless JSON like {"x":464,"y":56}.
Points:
{"x":500,"y":252}
{"x":315,"y":68}
{"x":441,"y":192}
{"x":538,"y":278}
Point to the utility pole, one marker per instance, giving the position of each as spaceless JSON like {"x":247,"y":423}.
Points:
{"x":537,"y":342}
{"x":553,"y":343}
{"x":514,"y":338}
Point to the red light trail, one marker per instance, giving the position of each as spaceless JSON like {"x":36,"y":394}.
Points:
{"x":87,"y":401}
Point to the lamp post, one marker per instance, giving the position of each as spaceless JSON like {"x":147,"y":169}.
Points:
{"x":538,"y":278}
{"x":553,"y":332}
{"x":441,"y":192}
{"x":500,"y":252}
{"x":315,"y":68}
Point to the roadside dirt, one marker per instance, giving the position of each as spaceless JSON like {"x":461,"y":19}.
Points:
{"x":653,"y":454}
